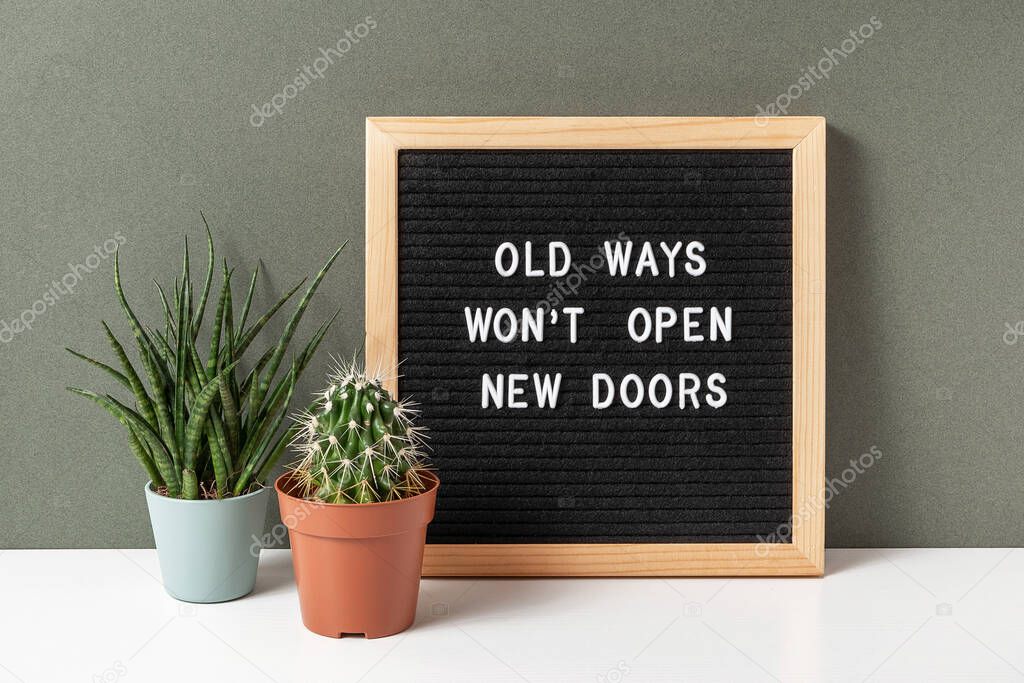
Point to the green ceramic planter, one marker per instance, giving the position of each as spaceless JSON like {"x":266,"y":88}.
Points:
{"x":206,"y":547}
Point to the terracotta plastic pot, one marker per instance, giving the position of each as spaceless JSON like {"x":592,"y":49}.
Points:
{"x":357,"y":567}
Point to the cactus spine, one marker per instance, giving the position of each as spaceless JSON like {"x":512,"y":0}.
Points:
{"x":357,"y":444}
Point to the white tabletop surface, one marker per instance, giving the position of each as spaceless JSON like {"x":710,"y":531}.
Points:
{"x":880,"y":615}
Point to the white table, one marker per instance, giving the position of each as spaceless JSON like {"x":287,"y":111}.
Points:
{"x":898,"y":615}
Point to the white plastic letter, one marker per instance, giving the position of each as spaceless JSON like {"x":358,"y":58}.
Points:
{"x":665,"y":317}
{"x":572,"y":312}
{"x":638,"y":387}
{"x":646,"y":260}
{"x":697,"y":264}
{"x":478,"y":325}
{"x":507,"y":335}
{"x":642,"y":313}
{"x":618,"y":261}
{"x":599,"y":379}
{"x":662,"y":379}
{"x":492,"y":390}
{"x":502,"y":271}
{"x":514,"y":390}
{"x":718,"y":322}
{"x":689,"y":323}
{"x":720,"y":397}
{"x":533,"y":322}
{"x":528,"y":268}
{"x":547,"y":391}
{"x":555,"y":271}
{"x":671,"y":256}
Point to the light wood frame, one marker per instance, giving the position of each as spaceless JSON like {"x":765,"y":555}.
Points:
{"x":805,"y":555}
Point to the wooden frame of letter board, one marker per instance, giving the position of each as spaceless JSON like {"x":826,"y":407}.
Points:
{"x":805,"y":556}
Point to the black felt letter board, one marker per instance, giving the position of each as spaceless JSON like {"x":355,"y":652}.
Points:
{"x":576,"y":474}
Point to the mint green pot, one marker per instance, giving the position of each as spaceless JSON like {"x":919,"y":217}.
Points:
{"x":209,"y":549}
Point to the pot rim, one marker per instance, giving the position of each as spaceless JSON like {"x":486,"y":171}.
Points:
{"x":150,"y":493}
{"x":281,"y":480}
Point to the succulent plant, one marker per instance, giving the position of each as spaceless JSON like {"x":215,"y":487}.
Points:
{"x":358,"y":445}
{"x":202,"y":429}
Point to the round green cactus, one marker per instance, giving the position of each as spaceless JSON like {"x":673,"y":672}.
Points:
{"x":358,"y":445}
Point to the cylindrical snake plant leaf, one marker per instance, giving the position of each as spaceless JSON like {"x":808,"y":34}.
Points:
{"x":129,"y":417}
{"x":138,"y":388}
{"x":197,"y":320}
{"x":147,"y":354}
{"x":189,"y":485}
{"x":199,"y":413}
{"x":262,"y":438}
{"x":289,"y":330}
{"x":214,"y":357}
{"x":247,"y":303}
{"x":143,"y":457}
{"x":121,"y":379}
{"x":248,"y":335}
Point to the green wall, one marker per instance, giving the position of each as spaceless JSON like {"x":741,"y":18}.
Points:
{"x":122,"y":122}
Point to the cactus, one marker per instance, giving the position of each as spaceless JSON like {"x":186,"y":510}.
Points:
{"x":358,"y":445}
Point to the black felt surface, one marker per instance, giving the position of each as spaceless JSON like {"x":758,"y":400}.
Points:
{"x":576,"y":474}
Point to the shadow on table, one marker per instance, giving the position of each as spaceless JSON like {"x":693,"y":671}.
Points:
{"x":842,"y":560}
{"x":444,"y":601}
{"x":275,"y":574}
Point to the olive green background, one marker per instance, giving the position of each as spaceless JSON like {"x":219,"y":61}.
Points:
{"x":129,"y":119}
